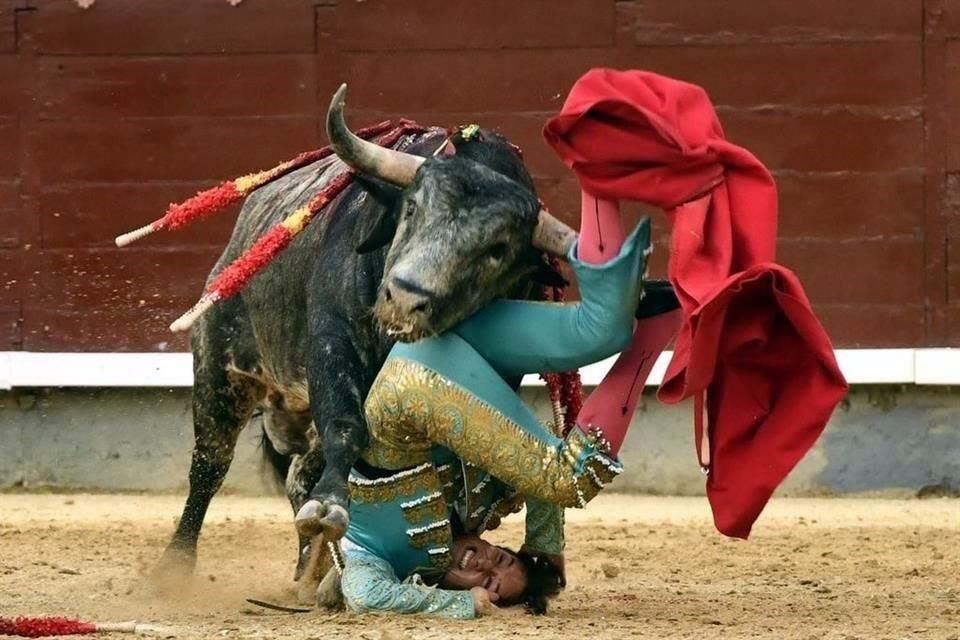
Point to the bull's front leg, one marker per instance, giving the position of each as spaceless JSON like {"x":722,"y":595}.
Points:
{"x":326,"y":509}
{"x":336,"y":378}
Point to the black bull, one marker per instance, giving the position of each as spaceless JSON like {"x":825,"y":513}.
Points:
{"x":302,"y":341}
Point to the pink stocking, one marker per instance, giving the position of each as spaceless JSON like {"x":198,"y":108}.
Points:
{"x":601,"y":235}
{"x":611,"y":406}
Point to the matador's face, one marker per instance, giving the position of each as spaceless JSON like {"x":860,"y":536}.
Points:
{"x":477,"y":563}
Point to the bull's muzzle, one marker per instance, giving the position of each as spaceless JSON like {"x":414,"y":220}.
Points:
{"x":406,"y":308}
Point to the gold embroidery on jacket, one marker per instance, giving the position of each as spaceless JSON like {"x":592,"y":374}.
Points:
{"x":430,"y":508}
{"x":410,"y":407}
{"x":412,"y":482}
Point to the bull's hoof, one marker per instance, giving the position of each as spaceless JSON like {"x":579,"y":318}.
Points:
{"x":316,"y":518}
{"x":329,"y":596}
{"x":303,"y":558}
{"x":313,"y":561}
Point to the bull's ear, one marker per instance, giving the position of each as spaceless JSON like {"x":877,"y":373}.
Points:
{"x":547,"y":276}
{"x":383,"y":192}
{"x":380,"y":233}
{"x":384,"y":226}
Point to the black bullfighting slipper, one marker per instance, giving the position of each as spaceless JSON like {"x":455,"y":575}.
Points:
{"x":659,"y":297}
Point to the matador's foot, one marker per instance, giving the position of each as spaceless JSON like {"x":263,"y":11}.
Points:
{"x":659,"y":297}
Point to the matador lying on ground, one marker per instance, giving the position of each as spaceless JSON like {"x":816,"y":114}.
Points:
{"x":453,"y":449}
{"x":748,"y":336}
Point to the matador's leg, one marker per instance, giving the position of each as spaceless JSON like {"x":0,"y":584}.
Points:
{"x":486,"y":425}
{"x":611,"y":406}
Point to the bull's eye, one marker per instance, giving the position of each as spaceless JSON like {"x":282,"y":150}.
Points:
{"x":498,"y":251}
{"x":410,"y":209}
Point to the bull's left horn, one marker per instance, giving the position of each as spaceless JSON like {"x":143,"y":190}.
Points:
{"x":552,"y":236}
{"x":395,"y":167}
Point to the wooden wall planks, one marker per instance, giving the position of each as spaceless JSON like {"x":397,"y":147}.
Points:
{"x":107,"y":114}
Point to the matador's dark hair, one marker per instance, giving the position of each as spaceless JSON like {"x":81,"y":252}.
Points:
{"x":544,"y":581}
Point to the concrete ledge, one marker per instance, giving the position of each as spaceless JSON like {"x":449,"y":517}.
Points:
{"x":881,"y":438}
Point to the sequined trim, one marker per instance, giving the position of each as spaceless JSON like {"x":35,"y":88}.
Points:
{"x":435,"y":534}
{"x":416,"y":531}
{"x":440,"y":558}
{"x":596,"y":479}
{"x":500,"y":509}
{"x":480,"y":486}
{"x":432,"y":507}
{"x":400,"y":475}
{"x":419,"y":501}
{"x":421,"y":479}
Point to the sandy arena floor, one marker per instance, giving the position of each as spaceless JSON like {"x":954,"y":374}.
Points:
{"x":814,"y":569}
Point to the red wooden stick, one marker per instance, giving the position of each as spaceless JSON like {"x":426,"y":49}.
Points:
{"x":58,"y":626}
{"x":217,"y":198}
{"x":238,"y":273}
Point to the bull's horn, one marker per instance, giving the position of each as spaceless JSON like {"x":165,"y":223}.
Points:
{"x":395,"y":167}
{"x":552,"y":236}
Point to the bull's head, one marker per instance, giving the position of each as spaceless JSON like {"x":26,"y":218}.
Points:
{"x":459,"y":233}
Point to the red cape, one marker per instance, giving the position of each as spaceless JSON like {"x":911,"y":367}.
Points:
{"x":749,"y":341}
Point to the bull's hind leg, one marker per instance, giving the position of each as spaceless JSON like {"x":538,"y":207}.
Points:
{"x":296,"y":456}
{"x":304,"y":473}
{"x":223,"y":401}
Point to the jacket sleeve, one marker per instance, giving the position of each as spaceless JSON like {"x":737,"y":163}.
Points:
{"x":519,"y":337}
{"x":370,"y":586}
{"x":544,"y":526}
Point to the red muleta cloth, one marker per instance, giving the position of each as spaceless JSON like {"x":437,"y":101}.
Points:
{"x":749,"y":340}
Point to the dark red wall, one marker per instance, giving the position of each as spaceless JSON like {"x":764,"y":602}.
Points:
{"x":107,"y":114}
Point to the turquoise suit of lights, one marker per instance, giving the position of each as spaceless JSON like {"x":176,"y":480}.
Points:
{"x":401,"y":533}
{"x":465,"y":448}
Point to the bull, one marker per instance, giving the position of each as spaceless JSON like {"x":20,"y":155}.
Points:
{"x":417,"y":243}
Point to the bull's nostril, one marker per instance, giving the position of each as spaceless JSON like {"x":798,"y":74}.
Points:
{"x":408,"y":298}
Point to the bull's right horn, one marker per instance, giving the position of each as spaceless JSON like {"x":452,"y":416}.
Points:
{"x":395,"y":167}
{"x":552,"y":236}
